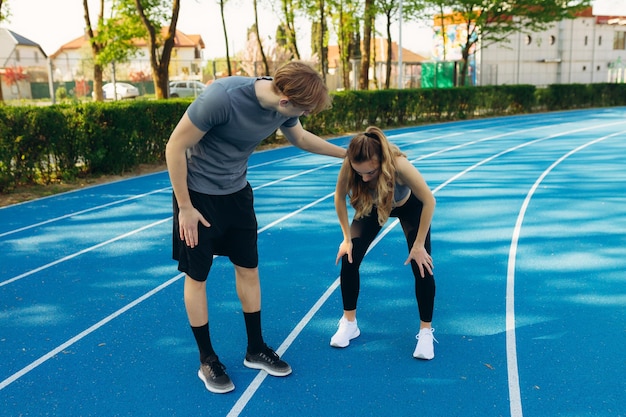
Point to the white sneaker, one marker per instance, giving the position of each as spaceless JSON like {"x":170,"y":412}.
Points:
{"x":347,"y":331}
{"x":424,"y":348}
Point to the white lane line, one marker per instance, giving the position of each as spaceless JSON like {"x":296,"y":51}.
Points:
{"x":515,"y":401}
{"x":81,"y":252}
{"x":102,"y":206}
{"x":68,"y":257}
{"x":127,"y":307}
{"x":284,"y":346}
{"x":290,"y":158}
{"x":84,"y":333}
{"x":76,"y":213}
{"x":256,"y":382}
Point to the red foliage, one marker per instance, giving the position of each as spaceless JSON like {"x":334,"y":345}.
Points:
{"x":82,"y":88}
{"x":13,"y":75}
{"x":138,"y":76}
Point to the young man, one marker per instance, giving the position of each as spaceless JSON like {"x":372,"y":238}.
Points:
{"x":207,"y":156}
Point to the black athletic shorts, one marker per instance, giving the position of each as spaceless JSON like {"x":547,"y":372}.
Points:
{"x":233,"y":233}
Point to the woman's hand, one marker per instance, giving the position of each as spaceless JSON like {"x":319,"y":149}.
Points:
{"x":344,"y":249}
{"x":423,"y":260}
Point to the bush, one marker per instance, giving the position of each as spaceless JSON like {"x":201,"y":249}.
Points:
{"x":41,"y":145}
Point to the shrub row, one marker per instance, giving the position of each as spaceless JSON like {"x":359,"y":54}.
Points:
{"x":44,"y":144}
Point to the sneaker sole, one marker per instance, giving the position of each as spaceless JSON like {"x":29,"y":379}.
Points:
{"x":337,"y":345}
{"x":215,"y":390}
{"x":263,"y":367}
{"x":422,"y":356}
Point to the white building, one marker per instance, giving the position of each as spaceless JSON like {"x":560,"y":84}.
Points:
{"x":587,"y":49}
{"x":18,"y":53}
{"x":74,"y":60}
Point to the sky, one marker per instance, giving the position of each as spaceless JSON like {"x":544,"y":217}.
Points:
{"x":52,"y":23}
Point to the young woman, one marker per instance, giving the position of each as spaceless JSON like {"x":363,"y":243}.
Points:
{"x":381,"y":182}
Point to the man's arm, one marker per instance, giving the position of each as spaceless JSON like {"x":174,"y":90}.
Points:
{"x":306,"y":140}
{"x":184,"y":136}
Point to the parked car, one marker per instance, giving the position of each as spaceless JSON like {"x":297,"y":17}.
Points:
{"x":186,"y":88}
{"x":124,"y":90}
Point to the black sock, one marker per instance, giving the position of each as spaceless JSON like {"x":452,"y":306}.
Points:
{"x":253,"y":329}
{"x":203,"y":339}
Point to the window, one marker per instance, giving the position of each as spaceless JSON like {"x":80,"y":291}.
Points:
{"x":528,"y":40}
{"x":619,"y":42}
{"x":552,"y":39}
{"x":586,"y":40}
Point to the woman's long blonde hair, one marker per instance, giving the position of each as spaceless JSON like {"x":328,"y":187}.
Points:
{"x":364,"y":147}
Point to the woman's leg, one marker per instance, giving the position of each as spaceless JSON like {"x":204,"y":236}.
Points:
{"x":363,"y":232}
{"x":409,"y":216}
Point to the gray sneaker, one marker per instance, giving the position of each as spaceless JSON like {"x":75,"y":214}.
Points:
{"x":268,"y":361}
{"x":214,"y":376}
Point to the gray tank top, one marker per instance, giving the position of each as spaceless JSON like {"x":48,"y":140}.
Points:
{"x":400,"y":192}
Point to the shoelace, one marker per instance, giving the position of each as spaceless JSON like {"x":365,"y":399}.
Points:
{"x":269,"y":355}
{"x":417,"y":336}
{"x":216,"y":368}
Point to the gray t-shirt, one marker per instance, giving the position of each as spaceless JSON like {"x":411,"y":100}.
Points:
{"x":235,"y":123}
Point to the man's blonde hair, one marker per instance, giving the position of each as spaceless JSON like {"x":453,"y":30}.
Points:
{"x":303,"y":86}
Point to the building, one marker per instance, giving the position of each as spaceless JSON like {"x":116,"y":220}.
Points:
{"x":411,"y":64}
{"x":587,"y":49}
{"x":19,"y":54}
{"x":73,"y":60}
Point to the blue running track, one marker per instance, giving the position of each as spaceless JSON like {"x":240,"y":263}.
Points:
{"x":529,"y":243}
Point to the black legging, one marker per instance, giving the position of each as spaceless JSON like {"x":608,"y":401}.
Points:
{"x":363,"y":232}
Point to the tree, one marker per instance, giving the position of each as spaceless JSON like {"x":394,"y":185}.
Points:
{"x":251,"y":55}
{"x":290,"y":27}
{"x":258,"y":38}
{"x":439,"y":6}
{"x":152,"y":14}
{"x":345,"y":17}
{"x":95,"y":48}
{"x":317,"y":11}
{"x":13,"y":76}
{"x":110,"y":42}
{"x":389,"y":9}
{"x":493,"y":21}
{"x":411,"y":10}
{"x":369,"y":17}
{"x":4,"y":14}
{"x":222,"y":4}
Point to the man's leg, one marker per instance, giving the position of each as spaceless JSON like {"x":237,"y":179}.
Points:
{"x":196,"y":302}
{"x":258,"y":355}
{"x":197,"y":313}
{"x":212,"y":371}
{"x":248,"y":288}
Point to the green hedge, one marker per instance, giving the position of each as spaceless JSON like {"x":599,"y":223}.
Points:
{"x":51,"y":143}
{"x":45,"y":144}
{"x":355,"y":110}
